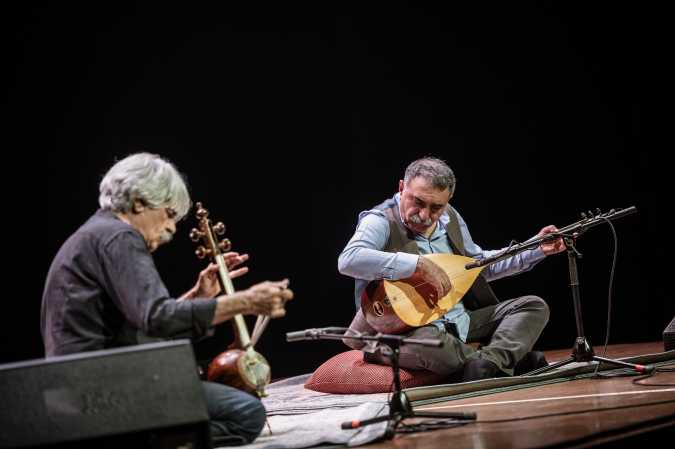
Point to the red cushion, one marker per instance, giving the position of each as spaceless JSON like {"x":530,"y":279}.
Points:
{"x":347,"y":373}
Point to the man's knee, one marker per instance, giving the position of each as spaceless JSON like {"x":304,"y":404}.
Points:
{"x":255,"y":420}
{"x":535,"y":303}
{"x":236,"y":416}
{"x":445,"y":360}
{"x":248,"y":417}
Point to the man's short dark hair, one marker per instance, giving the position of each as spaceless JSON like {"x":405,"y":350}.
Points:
{"x":434,"y":170}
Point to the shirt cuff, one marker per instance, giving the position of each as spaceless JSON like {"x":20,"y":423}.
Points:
{"x":404,"y":266}
{"x":203,"y":311}
{"x":533,"y":256}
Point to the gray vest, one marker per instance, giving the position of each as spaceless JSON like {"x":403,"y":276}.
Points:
{"x":401,"y":239}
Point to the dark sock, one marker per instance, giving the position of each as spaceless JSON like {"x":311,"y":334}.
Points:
{"x":477,"y":369}
{"x":531,"y":361}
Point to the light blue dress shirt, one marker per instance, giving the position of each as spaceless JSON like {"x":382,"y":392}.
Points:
{"x":364,"y":260}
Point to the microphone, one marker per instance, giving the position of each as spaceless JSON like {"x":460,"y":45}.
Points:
{"x":307,"y":334}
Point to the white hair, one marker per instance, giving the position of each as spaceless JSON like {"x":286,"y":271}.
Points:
{"x":145,"y":177}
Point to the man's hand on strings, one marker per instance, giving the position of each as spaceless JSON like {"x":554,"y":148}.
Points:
{"x":207,"y":285}
{"x":552,"y":246}
{"x":434,"y":275}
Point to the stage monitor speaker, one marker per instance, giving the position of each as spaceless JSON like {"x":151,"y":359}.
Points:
{"x":145,"y":396}
{"x":669,"y":336}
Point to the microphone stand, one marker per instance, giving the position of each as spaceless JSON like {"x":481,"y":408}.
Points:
{"x":399,"y":405}
{"x":582,"y":350}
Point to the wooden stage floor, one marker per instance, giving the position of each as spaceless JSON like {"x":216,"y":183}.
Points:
{"x":603,"y":412}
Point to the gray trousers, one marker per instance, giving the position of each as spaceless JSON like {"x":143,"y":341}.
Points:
{"x":506,"y":332}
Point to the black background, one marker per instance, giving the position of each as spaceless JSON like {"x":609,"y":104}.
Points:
{"x":287,"y":123}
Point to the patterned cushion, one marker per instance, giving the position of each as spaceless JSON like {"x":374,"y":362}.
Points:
{"x":347,"y":373}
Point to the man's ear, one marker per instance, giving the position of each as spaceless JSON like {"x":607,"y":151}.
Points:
{"x":138,"y":207}
{"x":400,"y":186}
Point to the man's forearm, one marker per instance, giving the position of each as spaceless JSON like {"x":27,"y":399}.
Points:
{"x":229,"y":306}
{"x":516,"y":264}
{"x":371,"y":264}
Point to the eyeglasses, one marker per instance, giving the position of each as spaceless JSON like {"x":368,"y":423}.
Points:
{"x":170,"y":212}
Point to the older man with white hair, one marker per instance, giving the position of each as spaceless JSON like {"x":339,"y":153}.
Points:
{"x":103,"y":289}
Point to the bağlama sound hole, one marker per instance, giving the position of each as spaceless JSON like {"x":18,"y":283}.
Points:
{"x":378,"y":308}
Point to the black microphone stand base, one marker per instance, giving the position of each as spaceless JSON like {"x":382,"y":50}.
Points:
{"x":583,"y":352}
{"x":400,"y":408}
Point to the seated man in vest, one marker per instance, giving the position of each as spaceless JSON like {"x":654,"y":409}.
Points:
{"x":103,"y":290}
{"x":387,"y":244}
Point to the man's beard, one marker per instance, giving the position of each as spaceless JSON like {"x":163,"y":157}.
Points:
{"x":165,"y":237}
